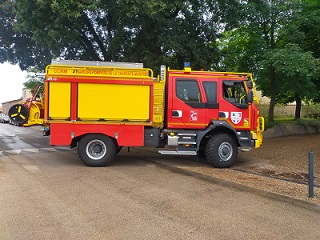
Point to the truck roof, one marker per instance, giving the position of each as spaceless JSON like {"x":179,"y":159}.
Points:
{"x":97,"y":71}
{"x":188,"y":71}
{"x":96,"y":63}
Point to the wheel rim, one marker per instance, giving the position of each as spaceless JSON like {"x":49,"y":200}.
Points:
{"x":225,"y":151}
{"x":96,"y":149}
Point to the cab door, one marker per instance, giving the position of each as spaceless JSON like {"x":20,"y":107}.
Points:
{"x":233,"y":104}
{"x":186,"y":104}
{"x":210,"y":86}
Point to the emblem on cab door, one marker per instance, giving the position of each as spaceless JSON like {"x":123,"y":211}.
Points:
{"x":236,"y":117}
{"x":193,"y":115}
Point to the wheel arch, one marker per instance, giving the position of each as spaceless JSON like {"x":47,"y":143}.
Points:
{"x":214,"y":128}
{"x":75,"y":140}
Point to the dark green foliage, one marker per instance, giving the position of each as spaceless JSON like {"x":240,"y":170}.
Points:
{"x":152,"y":32}
{"x":273,"y":43}
{"x":17,"y":46}
{"x":277,"y":40}
{"x":35,"y":81}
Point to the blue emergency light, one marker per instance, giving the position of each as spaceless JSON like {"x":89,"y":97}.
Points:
{"x":187,"y":64}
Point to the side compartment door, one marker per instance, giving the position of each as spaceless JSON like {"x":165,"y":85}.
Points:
{"x":186,"y":106}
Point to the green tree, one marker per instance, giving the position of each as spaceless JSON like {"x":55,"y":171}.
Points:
{"x":303,"y":31}
{"x":268,"y":17}
{"x":296,"y":73}
{"x":153,"y":32}
{"x":66,"y":27}
{"x":16,"y":46}
{"x":308,"y":22}
{"x":262,"y":45}
{"x":240,"y":49}
{"x":35,"y":81}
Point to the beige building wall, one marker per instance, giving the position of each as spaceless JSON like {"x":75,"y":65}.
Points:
{"x":26,"y":94}
{"x":7,"y":105}
{"x":262,"y":99}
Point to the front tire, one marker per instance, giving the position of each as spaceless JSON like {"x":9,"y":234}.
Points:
{"x":221,"y":150}
{"x":96,"y":150}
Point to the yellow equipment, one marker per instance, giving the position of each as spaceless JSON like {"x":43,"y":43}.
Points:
{"x":28,"y":113}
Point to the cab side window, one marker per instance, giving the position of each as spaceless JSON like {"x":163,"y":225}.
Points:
{"x":211,"y":91}
{"x":234,"y":92}
{"x":188,"y":90}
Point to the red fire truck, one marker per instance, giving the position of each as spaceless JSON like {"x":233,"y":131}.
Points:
{"x":101,"y":107}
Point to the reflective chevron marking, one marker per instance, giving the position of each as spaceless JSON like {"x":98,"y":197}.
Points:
{"x":13,"y":152}
{"x":32,"y":151}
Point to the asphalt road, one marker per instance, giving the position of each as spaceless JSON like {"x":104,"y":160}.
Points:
{"x":17,"y":138}
{"x":47,"y":193}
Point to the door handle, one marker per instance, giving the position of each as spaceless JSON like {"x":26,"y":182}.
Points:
{"x":176,"y":113}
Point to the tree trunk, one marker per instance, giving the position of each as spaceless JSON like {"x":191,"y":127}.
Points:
{"x":298,"y":107}
{"x":272,"y":81}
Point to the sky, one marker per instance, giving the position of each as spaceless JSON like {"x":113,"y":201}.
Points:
{"x":11,"y":82}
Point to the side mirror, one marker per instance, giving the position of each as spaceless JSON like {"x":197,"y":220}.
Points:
{"x":249,"y":84}
{"x":250,"y":96}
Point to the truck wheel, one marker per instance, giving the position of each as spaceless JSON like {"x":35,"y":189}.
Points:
{"x":96,"y":150}
{"x":221,"y":151}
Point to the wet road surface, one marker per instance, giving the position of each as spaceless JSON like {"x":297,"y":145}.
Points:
{"x":50,"y":194}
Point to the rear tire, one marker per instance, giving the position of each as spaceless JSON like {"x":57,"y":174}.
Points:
{"x":96,"y":150}
{"x":221,"y":150}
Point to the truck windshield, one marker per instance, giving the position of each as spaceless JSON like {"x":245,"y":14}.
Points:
{"x":235,"y":93}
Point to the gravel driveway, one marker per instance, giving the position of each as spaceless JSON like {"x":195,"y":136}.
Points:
{"x":284,"y":158}
{"x":279,"y":166}
{"x":287,"y":155}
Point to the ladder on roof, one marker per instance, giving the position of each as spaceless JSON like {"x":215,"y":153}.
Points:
{"x":96,"y":63}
